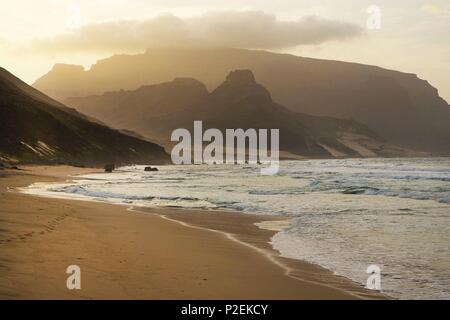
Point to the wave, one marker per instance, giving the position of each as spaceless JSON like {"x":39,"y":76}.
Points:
{"x":275,"y":192}
{"x":409,"y":194}
{"x":330,"y":229}
{"x":97,"y":194}
{"x":361,"y":190}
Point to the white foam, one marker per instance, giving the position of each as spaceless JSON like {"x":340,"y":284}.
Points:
{"x":277,"y":225}
{"x":345,"y":214}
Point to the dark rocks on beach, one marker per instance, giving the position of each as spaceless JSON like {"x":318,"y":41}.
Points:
{"x":8,"y":166}
{"x":109,"y":167}
{"x":150,"y":169}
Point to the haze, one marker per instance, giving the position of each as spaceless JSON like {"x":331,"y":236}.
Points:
{"x":413,"y":35}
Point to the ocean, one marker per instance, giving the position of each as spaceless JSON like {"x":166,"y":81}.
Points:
{"x":344,"y":214}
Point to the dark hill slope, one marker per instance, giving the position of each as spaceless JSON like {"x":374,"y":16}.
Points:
{"x":36,"y":129}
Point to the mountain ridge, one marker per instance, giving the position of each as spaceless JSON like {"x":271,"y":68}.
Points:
{"x":36,"y":129}
{"x":400,"y":107}
{"x":239,"y":102}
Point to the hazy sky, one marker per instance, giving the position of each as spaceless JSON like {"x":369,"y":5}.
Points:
{"x":406,"y":35}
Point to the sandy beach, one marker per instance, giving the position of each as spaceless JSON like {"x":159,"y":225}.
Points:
{"x":144,"y":253}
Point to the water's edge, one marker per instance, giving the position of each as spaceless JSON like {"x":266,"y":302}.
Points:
{"x":263,"y":222}
{"x":345,"y":215}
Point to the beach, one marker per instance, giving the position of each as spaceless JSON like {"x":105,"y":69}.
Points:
{"x":144,"y":253}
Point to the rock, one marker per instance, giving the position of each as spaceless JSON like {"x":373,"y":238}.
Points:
{"x":150,"y":169}
{"x":109,"y":167}
{"x":241,"y":77}
{"x":8,"y":166}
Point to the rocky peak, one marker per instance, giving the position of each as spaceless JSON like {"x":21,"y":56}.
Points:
{"x":241,"y":77}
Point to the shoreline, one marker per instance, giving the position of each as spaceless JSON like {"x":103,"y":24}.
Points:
{"x":246,"y":246}
{"x":243,"y":228}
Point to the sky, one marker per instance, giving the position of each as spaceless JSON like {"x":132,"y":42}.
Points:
{"x":406,"y":35}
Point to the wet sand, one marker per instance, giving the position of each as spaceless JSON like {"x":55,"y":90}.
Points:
{"x":144,"y":253}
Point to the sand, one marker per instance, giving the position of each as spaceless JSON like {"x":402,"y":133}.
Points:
{"x":143,"y":253}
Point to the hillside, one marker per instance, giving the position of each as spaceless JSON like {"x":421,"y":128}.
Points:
{"x":400,"y":107}
{"x":239,"y":102}
{"x":37,"y":129}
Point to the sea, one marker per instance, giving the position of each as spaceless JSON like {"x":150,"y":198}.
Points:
{"x":345,"y":214}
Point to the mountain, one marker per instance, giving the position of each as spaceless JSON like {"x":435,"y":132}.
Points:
{"x":37,"y":129}
{"x":400,"y":107}
{"x":146,"y":110}
{"x":239,"y":102}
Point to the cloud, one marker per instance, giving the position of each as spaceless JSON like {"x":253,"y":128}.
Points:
{"x":242,"y":29}
{"x":3,"y":42}
{"x":436,"y":10}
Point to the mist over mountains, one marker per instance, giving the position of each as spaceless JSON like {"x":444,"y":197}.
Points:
{"x":399,"y":107}
{"x":238,"y":102}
